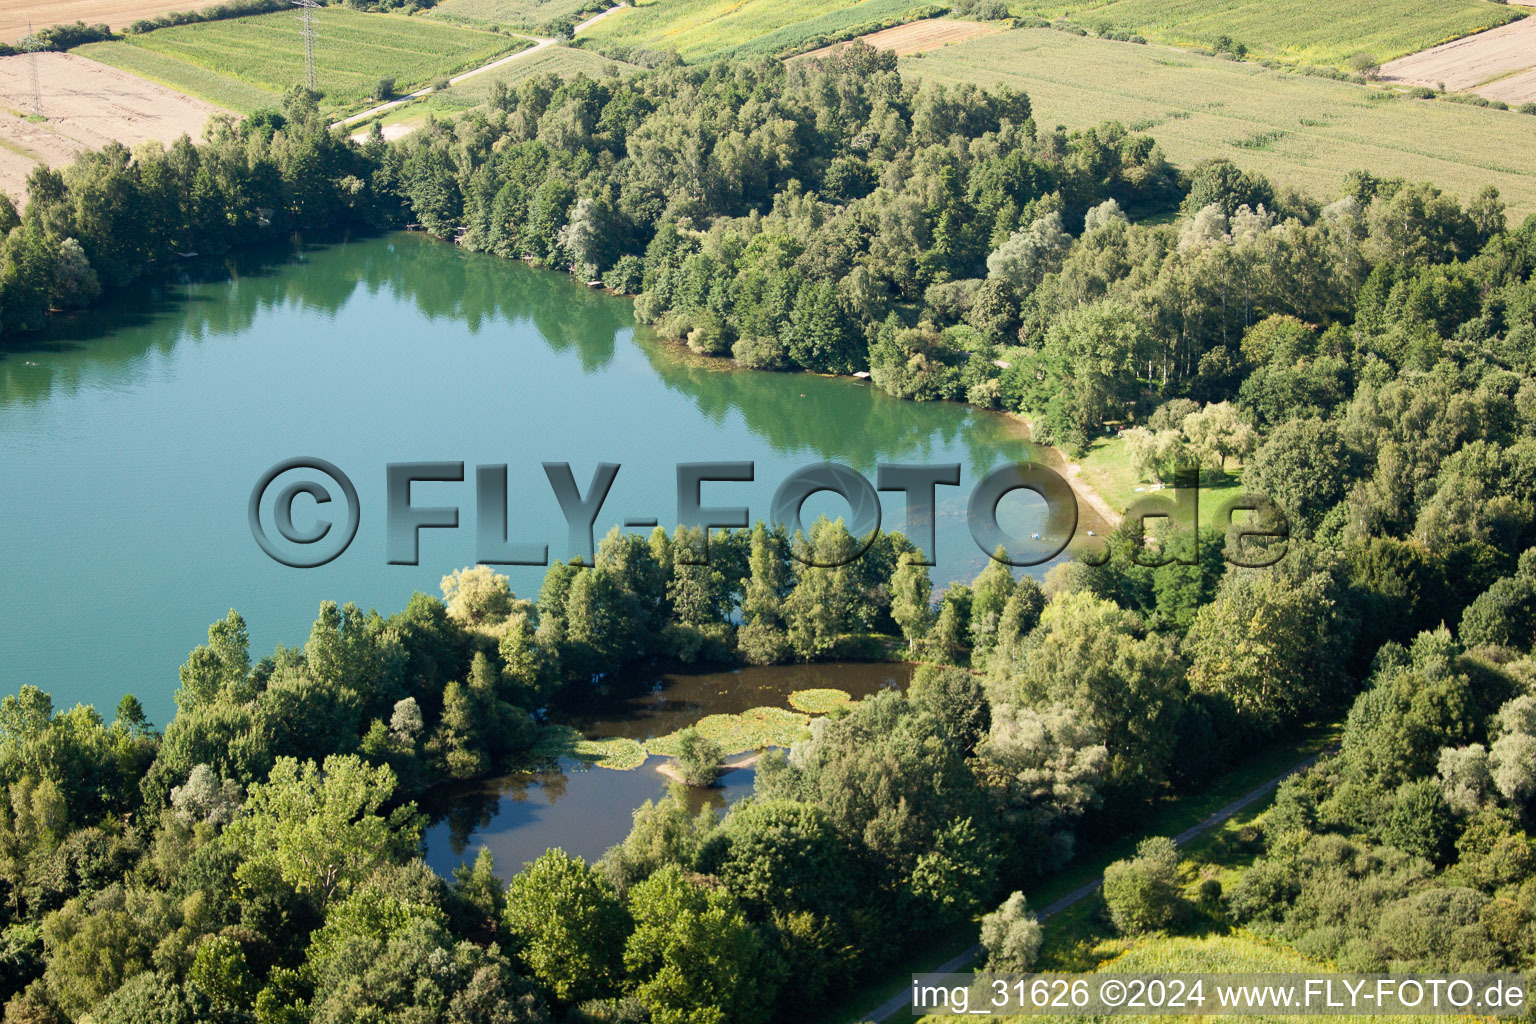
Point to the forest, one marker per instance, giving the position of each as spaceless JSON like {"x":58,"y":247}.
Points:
{"x":1367,"y":355}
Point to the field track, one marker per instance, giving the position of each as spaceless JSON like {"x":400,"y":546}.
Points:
{"x":86,"y":105}
{"x":915,"y":37}
{"x":15,"y":15}
{"x":1499,"y":64}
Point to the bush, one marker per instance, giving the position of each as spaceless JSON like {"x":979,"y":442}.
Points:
{"x":698,"y":758}
{"x":1527,"y":108}
{"x":384,"y":89}
{"x":1143,"y":893}
{"x":1011,"y":935}
{"x":624,"y":276}
{"x":1364,"y":64}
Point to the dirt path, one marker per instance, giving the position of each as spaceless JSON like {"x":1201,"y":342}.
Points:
{"x":901,"y":1002}
{"x":396,"y":131}
{"x":85,"y":106}
{"x":1499,"y":64}
{"x":455,"y":80}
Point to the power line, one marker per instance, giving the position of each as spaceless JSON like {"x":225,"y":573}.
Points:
{"x":307,"y":19}
{"x":37,"y":85}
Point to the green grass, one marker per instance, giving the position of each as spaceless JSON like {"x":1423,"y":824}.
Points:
{"x":250,"y":60}
{"x":1299,"y":31}
{"x":204,"y":83}
{"x":1198,"y":107}
{"x":528,"y":14}
{"x":700,"y":29}
{"x":1107,"y":469}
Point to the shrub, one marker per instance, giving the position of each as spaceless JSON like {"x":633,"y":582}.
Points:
{"x":1143,"y":893}
{"x":698,"y":758}
{"x":1011,"y":935}
{"x":384,"y":89}
{"x":1364,"y":64}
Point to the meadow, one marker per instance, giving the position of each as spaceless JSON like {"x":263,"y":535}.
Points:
{"x":705,"y":29}
{"x":1299,"y":130}
{"x":1297,"y":31}
{"x":241,"y":62}
{"x":524,"y":14}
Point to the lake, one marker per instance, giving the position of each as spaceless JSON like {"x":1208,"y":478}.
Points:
{"x":585,"y":809}
{"x":131,"y":437}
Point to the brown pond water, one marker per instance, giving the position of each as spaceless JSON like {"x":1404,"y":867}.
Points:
{"x":583,"y":809}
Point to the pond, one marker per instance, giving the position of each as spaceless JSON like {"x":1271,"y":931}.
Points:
{"x":585,"y":809}
{"x":131,"y":437}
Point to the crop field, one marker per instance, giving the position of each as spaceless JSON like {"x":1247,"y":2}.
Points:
{"x":265,"y":53}
{"x":16,"y":15}
{"x":1499,"y":64}
{"x":917,"y":36}
{"x":527,"y":14}
{"x":191,"y":79}
{"x":702,"y":29}
{"x":1297,"y":31}
{"x":1298,"y":129}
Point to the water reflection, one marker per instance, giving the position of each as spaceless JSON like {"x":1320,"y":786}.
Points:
{"x":585,"y":810}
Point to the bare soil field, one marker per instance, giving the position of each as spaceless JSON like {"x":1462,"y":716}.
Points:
{"x":916,"y":37}
{"x":16,"y":14}
{"x":86,"y":105}
{"x":1499,"y":64}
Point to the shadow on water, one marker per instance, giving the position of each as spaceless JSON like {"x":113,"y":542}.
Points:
{"x":584,"y":810}
{"x":223,"y":296}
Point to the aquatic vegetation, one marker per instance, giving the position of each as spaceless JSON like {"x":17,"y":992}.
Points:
{"x":820,"y":701}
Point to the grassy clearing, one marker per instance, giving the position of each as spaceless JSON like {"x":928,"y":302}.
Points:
{"x":700,"y":29}
{"x":1297,"y":129}
{"x":526,"y":14}
{"x":252,"y":59}
{"x":204,"y":83}
{"x":1107,"y":469}
{"x":1168,"y":818}
{"x":1299,"y":31}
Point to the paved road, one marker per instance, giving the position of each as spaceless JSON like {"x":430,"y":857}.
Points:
{"x":902,"y":1001}
{"x":539,"y":44}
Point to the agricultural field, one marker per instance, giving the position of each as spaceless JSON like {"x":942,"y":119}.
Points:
{"x":1296,"y":31}
{"x":239,"y":62}
{"x":1499,"y":64}
{"x":1300,"y":130}
{"x":917,"y":36}
{"x":703,"y":29}
{"x":85,"y":106}
{"x":524,"y":14}
{"x":16,"y":15}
